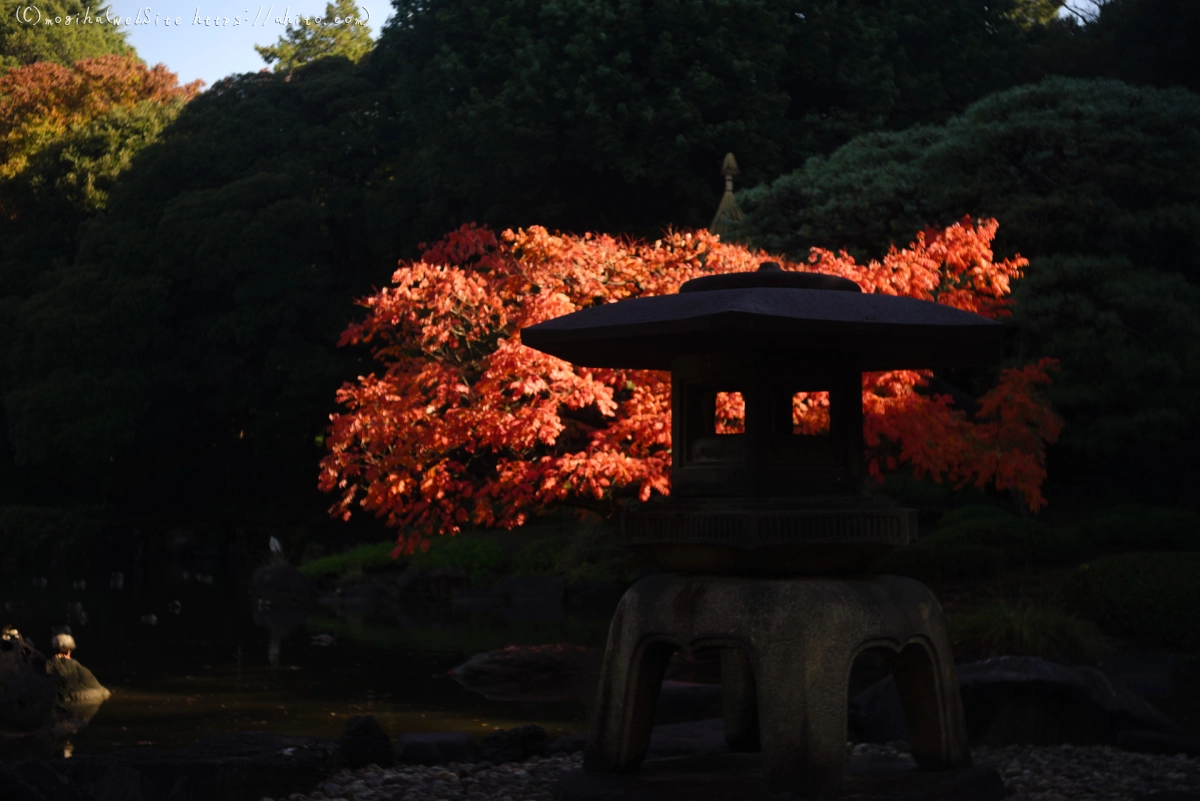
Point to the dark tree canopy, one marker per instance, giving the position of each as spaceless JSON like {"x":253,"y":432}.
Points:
{"x":1085,"y":171}
{"x":197,"y":326}
{"x":614,"y":115}
{"x":183,"y":325}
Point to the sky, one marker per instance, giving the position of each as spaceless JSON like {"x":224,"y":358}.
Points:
{"x":193,"y":50}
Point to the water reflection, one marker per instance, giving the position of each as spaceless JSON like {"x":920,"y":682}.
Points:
{"x":213,"y":662}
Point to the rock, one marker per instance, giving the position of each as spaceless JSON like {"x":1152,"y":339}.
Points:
{"x":1149,"y":675}
{"x":446,"y":580}
{"x":535,"y":612}
{"x":534,"y":589}
{"x":49,"y":785}
{"x":403,"y":580}
{"x":245,"y":766}
{"x":283,"y":583}
{"x":566,"y":744}
{"x":1170,"y":795}
{"x":13,"y":788}
{"x":27,"y":689}
{"x":1156,"y":742}
{"x":78,"y":698}
{"x":435,"y":748}
{"x":531,"y":673}
{"x":514,"y":745}
{"x":1022,"y":700}
{"x":364,"y":742}
{"x":534,"y":599}
{"x":472,"y":600}
{"x":362,"y":598}
{"x":588,"y":596}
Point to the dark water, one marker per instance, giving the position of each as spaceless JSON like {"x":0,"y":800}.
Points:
{"x":220,"y":664}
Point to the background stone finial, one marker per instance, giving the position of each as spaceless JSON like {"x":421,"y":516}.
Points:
{"x":729,"y":167}
{"x":728,"y":210}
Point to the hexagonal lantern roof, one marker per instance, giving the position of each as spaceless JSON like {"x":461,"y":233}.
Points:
{"x":771,"y":311}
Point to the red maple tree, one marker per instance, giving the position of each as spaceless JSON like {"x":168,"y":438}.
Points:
{"x":466,"y":426}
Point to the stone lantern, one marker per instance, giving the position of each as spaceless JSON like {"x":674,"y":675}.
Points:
{"x":767,"y":532}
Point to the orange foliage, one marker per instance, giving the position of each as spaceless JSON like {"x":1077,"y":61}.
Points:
{"x":41,"y":101}
{"x":468,"y":427}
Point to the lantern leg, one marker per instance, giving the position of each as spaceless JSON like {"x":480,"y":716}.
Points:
{"x":739,"y":700}
{"x":630,"y":679}
{"x":803,"y":719}
{"x":927,"y":684}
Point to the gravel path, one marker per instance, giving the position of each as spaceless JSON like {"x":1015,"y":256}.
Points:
{"x":1055,"y":773}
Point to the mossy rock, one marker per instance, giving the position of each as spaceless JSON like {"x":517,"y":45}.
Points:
{"x":977,"y":542}
{"x":1149,"y":598}
{"x":1141,"y":528}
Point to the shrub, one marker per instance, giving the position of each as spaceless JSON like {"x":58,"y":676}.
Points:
{"x":481,"y":557}
{"x":978,"y":542}
{"x":364,"y":557}
{"x":1026,"y":630}
{"x":540,"y":557}
{"x":1142,"y":528}
{"x":1150,"y":598}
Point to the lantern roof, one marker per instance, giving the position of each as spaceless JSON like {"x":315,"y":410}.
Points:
{"x":771,"y":313}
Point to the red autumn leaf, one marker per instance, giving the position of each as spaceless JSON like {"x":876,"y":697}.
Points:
{"x":467,"y":426}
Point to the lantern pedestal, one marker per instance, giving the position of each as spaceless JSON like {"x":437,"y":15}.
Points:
{"x":788,"y":646}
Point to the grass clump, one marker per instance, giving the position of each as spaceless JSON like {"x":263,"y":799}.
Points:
{"x":357,"y":559}
{"x":1000,"y":628}
{"x":1149,"y":598}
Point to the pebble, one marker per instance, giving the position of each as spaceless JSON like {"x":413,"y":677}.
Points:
{"x":1030,"y":773}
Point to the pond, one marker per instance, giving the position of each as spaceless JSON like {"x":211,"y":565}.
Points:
{"x":210,"y":662}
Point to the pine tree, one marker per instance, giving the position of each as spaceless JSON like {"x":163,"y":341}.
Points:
{"x":341,"y":32}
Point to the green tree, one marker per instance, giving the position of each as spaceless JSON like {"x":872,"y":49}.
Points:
{"x":1128,"y":339}
{"x":67,"y":182}
{"x":615,"y":115}
{"x":1085,"y":171}
{"x":341,"y":32}
{"x":27,"y":38}
{"x":189,"y":347}
{"x":1035,"y":12}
